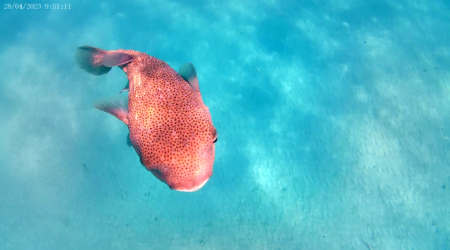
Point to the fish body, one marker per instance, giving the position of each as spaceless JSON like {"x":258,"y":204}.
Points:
{"x":170,"y":127}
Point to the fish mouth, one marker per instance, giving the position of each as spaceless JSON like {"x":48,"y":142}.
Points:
{"x":192,"y":189}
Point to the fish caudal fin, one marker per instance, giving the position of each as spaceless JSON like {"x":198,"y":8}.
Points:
{"x":117,"y":107}
{"x":189,"y":74}
{"x":99,"y":62}
{"x":90,"y":59}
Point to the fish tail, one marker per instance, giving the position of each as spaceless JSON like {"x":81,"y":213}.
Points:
{"x":90,"y":59}
{"x":99,"y":62}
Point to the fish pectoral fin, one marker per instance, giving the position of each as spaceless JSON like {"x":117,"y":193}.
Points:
{"x":111,"y":59}
{"x":189,"y":74}
{"x":117,"y":107}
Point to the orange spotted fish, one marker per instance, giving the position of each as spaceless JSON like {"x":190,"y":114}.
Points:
{"x":170,"y":126}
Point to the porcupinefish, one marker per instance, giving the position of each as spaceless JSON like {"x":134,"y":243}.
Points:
{"x":170,"y":127}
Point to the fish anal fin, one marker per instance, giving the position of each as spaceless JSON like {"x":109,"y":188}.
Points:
{"x":129,"y":140}
{"x":117,"y":107}
{"x":127,"y":87}
{"x":189,"y":74}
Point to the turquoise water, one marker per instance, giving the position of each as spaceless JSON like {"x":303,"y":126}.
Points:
{"x":332,"y":119}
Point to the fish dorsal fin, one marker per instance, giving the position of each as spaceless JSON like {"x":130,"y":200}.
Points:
{"x":117,"y":107}
{"x":189,"y":74}
{"x":111,"y":59}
